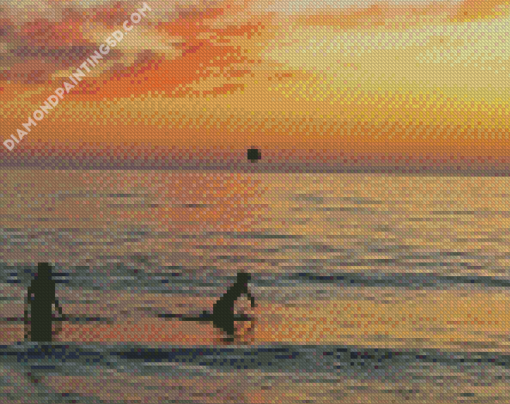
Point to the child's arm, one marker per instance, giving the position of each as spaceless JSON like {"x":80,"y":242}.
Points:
{"x":26,"y":321}
{"x":57,"y":307}
{"x":58,"y":327}
{"x":252,"y":299}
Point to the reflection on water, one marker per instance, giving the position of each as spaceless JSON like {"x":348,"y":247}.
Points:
{"x":343,"y":372}
{"x":369,"y":288}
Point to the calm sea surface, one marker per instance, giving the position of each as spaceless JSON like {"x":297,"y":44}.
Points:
{"x":369,"y":288}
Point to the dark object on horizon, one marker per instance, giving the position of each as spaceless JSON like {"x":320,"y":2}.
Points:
{"x":254,"y":155}
{"x":41,"y":296}
{"x":223,"y":310}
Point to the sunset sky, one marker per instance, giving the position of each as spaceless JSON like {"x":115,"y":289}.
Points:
{"x":334,"y":82}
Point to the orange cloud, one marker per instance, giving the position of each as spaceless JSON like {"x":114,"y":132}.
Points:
{"x":225,"y":74}
{"x":470,"y":10}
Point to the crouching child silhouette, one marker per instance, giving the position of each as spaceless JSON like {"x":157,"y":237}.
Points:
{"x":223,"y":309}
{"x":223,"y":315}
{"x":41,"y":299}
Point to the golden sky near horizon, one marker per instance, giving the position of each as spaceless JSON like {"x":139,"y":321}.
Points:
{"x":410,"y":73}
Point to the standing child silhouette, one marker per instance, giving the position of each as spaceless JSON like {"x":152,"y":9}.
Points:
{"x":41,"y":297}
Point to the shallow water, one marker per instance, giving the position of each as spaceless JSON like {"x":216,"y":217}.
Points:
{"x":369,"y":288}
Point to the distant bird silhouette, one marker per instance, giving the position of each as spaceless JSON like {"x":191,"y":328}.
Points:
{"x":254,"y":155}
{"x":41,"y":296}
{"x":223,"y":316}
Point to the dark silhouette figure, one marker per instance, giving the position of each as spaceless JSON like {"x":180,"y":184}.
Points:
{"x":41,"y":297}
{"x":254,"y":155}
{"x":223,"y":316}
{"x":223,"y":309}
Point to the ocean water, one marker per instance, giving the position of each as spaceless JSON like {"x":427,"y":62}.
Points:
{"x":369,"y":287}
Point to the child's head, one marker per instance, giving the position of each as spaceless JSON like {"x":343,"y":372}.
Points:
{"x":243,"y":278}
{"x":43,"y":270}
